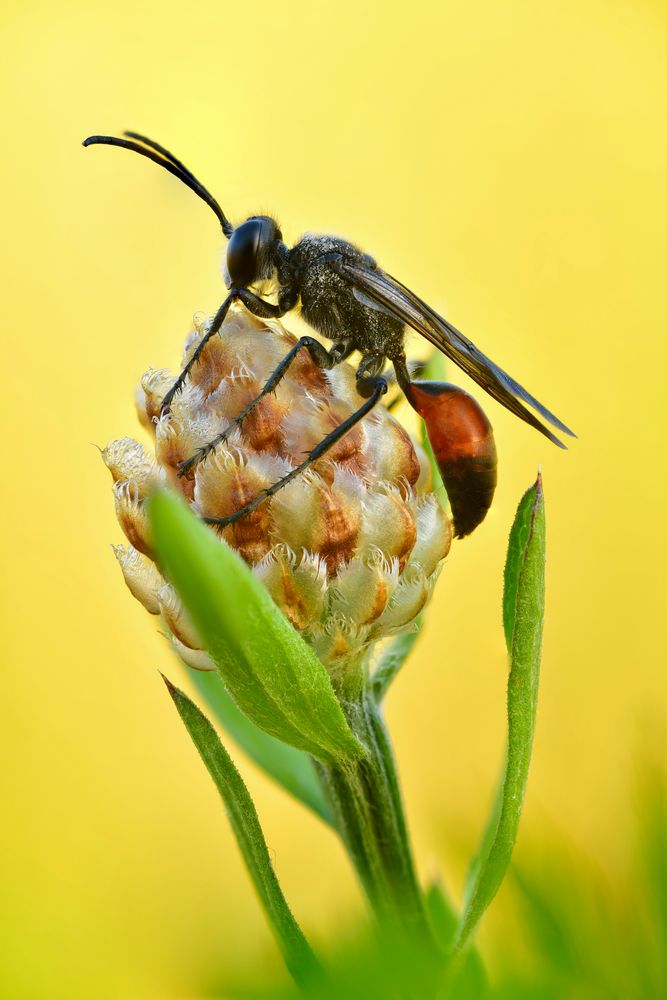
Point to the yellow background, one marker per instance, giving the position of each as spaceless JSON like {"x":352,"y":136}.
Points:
{"x":507,"y":161}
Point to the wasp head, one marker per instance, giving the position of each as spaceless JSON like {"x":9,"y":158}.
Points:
{"x":251,"y":251}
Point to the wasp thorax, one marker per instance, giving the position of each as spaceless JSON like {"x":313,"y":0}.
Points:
{"x":349,"y":551}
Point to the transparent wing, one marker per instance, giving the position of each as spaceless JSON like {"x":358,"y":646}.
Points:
{"x":390,"y":295}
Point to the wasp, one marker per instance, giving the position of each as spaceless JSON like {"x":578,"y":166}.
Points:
{"x":353,"y":303}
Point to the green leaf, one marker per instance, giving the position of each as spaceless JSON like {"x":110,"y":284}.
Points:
{"x":468,"y":979}
{"x":490,"y":830}
{"x":242,"y":814}
{"x":392,"y":660}
{"x":520,"y":533}
{"x":524,"y":616}
{"x":435,"y":369}
{"x":290,"y":768}
{"x":272,"y":675}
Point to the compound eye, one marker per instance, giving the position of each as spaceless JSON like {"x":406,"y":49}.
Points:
{"x":242,"y":254}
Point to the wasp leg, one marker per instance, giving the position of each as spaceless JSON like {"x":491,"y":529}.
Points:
{"x":373,"y":387}
{"x":323,"y":358}
{"x":257,"y":306}
{"x":216,"y":323}
{"x":402,"y":372}
{"x":267,"y":310}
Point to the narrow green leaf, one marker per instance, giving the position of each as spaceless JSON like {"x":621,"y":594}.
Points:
{"x":435,"y":369}
{"x":437,"y":484}
{"x":392,"y":660}
{"x":242,"y":814}
{"x":518,"y":540}
{"x":524,"y":617}
{"x":482,"y":853}
{"x":468,"y":979}
{"x":290,"y":768}
{"x":272,"y":675}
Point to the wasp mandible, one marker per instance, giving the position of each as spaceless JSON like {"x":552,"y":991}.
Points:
{"x":349,"y":300}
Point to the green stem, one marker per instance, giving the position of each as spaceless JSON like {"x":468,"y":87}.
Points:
{"x":369,"y":812}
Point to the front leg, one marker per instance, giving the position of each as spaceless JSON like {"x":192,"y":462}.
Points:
{"x":253,"y":303}
{"x":216,"y":323}
{"x":260,"y":307}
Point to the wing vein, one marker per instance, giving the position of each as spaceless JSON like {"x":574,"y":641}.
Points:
{"x":391,"y":294}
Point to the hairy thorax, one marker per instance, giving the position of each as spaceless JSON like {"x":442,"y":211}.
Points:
{"x":331,"y":307}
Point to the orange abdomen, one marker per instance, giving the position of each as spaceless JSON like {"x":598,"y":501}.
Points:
{"x":462,"y":441}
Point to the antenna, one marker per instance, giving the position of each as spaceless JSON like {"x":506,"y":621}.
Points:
{"x":158,"y":154}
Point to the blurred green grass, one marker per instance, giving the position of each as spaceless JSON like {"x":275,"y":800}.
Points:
{"x":587,"y":937}
{"x":576,"y":934}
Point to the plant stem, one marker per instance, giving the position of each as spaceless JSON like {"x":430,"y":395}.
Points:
{"x":369,"y":812}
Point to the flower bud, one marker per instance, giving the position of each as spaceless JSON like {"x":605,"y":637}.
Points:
{"x":349,"y":550}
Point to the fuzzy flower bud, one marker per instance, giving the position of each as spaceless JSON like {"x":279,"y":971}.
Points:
{"x":349,"y":550}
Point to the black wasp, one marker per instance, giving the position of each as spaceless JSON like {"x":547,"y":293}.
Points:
{"x":352,"y":302}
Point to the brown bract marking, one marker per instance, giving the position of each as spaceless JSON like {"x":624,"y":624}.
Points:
{"x":262,"y":427}
{"x":349,"y":451}
{"x":390,"y":526}
{"x":379,"y":602}
{"x":224,"y":489}
{"x":336,"y":528}
{"x":180,"y":625}
{"x":340,"y":647}
{"x":405,"y":537}
{"x":184,"y":484}
{"x":141,"y":405}
{"x":325,"y":470}
{"x":308,"y":375}
{"x":397,"y":460}
{"x":250,"y":535}
{"x":291,"y":603}
{"x":135,"y":528}
{"x":216,"y":363}
{"x":170,"y":450}
{"x":150,"y":411}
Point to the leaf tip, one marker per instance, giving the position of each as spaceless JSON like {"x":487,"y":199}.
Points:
{"x":538,"y":497}
{"x":171,"y":688}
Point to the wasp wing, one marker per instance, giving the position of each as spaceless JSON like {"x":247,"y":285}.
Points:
{"x":390,"y":295}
